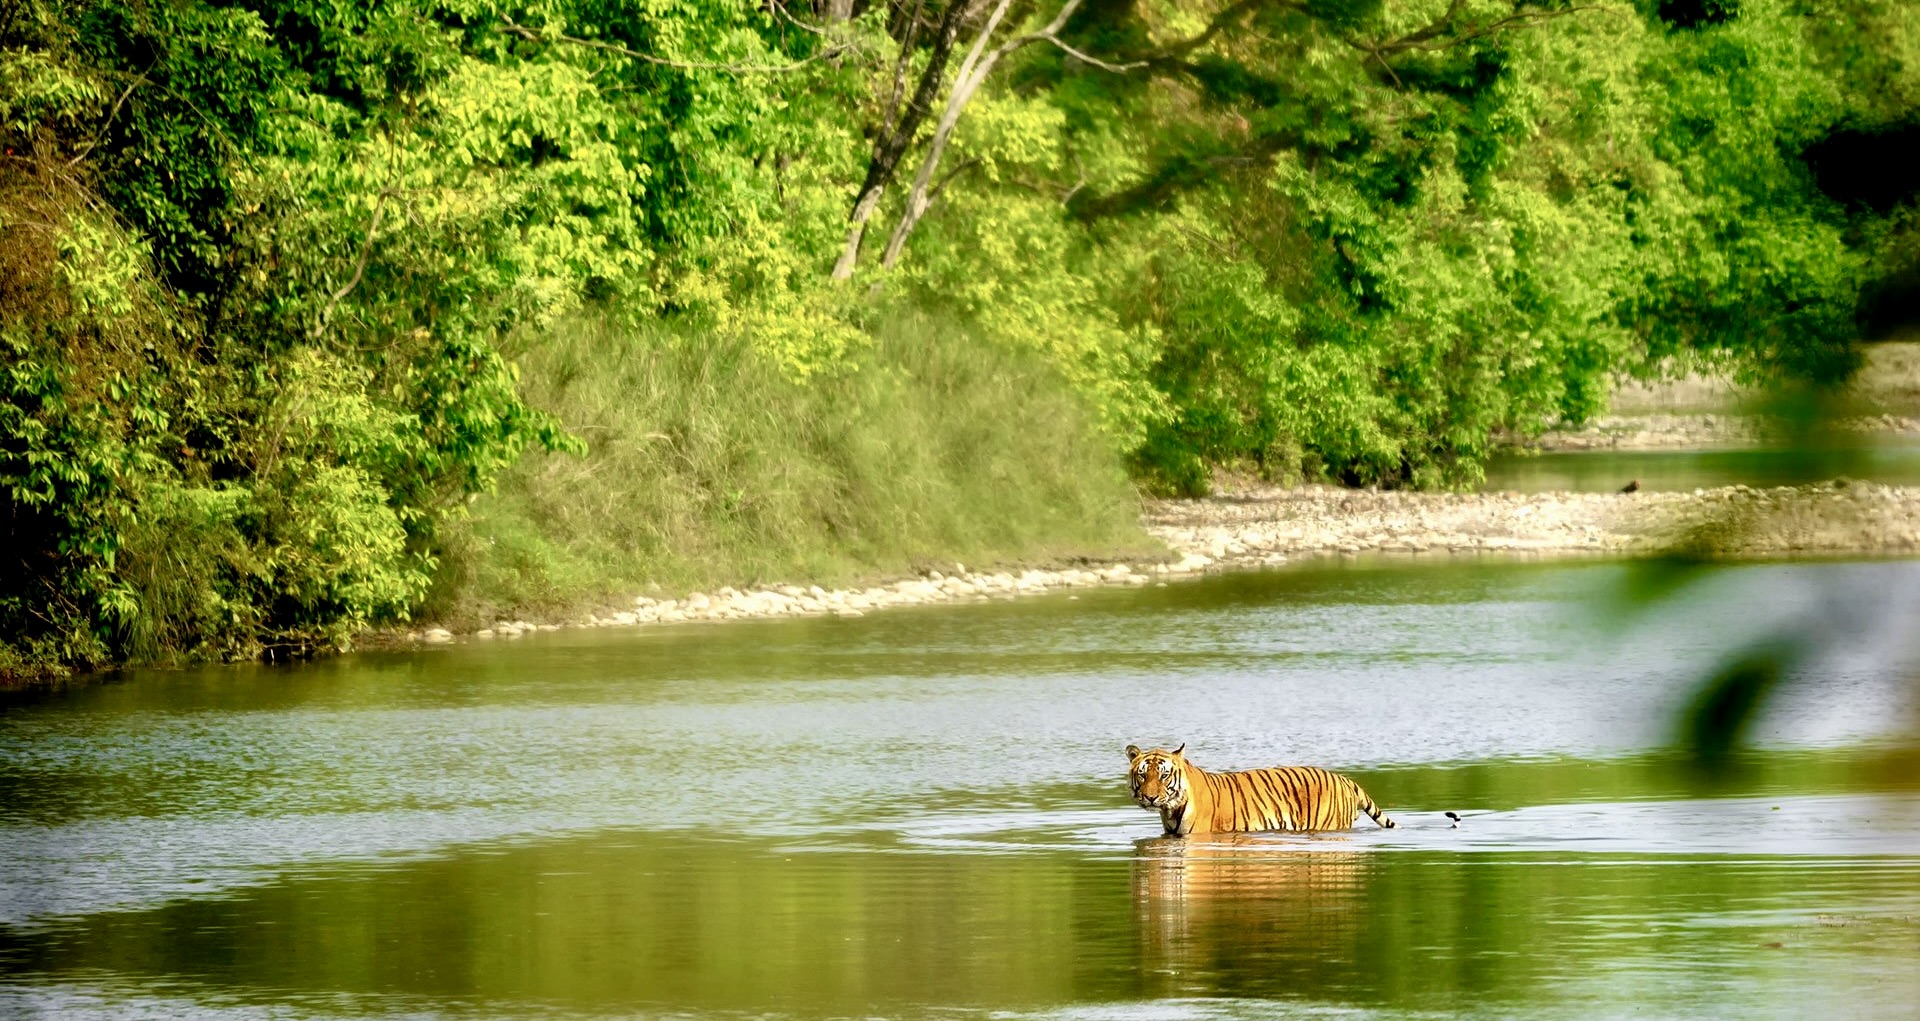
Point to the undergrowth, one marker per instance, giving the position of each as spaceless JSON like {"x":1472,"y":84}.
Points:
{"x":707,"y":466}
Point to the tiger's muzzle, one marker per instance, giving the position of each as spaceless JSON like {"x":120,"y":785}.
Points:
{"x":1155,"y":796}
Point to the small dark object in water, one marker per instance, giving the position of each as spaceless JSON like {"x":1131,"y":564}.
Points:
{"x":1456,"y":821}
{"x":1631,"y":487}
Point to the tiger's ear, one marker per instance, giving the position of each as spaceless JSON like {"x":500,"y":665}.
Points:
{"x":1133,"y":752}
{"x":1182,"y":748}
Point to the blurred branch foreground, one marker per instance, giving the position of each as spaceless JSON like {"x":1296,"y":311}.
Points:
{"x":1673,"y":537}
{"x":1814,"y":430}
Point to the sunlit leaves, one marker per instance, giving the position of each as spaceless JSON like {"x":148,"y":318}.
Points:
{"x":262,"y":258}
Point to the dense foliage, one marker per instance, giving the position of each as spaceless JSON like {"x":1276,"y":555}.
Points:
{"x":260,"y":259}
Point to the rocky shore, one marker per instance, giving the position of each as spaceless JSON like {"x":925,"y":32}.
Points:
{"x":1259,"y":526}
{"x":1704,"y":412}
{"x":814,"y":601}
{"x":1709,"y":431}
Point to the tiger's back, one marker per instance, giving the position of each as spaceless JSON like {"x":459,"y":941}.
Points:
{"x":1287,"y":798}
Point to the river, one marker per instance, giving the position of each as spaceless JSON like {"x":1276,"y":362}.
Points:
{"x":1888,"y":460}
{"x":922,"y":812}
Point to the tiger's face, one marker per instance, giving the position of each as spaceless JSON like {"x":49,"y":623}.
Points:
{"x":1155,"y":775}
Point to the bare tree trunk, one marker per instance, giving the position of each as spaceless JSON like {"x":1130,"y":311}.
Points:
{"x":893,"y":140}
{"x":973,"y":73}
{"x":908,"y":35}
{"x":857,"y":229}
{"x":839,"y":10}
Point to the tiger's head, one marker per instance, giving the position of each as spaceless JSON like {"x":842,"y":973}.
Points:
{"x":1158,"y":777}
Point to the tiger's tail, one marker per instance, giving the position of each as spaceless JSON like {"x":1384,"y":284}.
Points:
{"x":1373,"y":810}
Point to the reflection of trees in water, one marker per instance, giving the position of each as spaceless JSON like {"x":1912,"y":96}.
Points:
{"x":1243,"y":914}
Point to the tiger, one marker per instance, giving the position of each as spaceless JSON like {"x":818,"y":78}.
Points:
{"x":1192,"y":801}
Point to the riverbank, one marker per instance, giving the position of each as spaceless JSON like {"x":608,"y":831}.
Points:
{"x":1242,"y":525}
{"x":1706,"y":431}
{"x":1260,"y":525}
{"x":1707,"y":413}
{"x":1257,"y":526}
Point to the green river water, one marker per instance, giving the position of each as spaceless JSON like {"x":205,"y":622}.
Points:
{"x":922,"y":813}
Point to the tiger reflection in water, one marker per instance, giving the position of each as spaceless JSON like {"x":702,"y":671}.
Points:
{"x":1240,"y":914}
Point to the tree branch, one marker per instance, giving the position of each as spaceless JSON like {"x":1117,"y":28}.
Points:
{"x":101,"y":135}
{"x":1084,"y":58}
{"x":900,"y":69}
{"x":780,"y":9}
{"x":1178,"y":175}
{"x":1051,"y":34}
{"x":939,"y":186}
{"x":359,"y":269}
{"x":1438,"y":26}
{"x":1227,"y":18}
{"x":512,"y":28}
{"x":973,"y":71}
{"x":1442,"y":33}
{"x":891,"y":144}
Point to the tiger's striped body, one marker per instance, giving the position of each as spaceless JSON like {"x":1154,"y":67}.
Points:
{"x":1192,"y":800}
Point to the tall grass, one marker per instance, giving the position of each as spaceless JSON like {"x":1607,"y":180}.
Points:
{"x":708,"y":466}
